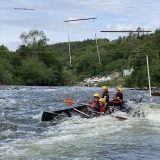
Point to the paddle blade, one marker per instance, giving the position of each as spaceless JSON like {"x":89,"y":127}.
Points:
{"x":69,"y":102}
{"x":120,"y":118}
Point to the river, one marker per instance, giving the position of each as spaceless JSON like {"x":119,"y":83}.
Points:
{"x":24,"y":137}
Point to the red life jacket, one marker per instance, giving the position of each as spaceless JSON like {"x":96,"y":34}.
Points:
{"x":102,"y":109}
{"x":116,"y":100}
{"x":93,"y":103}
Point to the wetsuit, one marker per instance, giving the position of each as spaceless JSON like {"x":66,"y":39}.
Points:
{"x":106,"y":96}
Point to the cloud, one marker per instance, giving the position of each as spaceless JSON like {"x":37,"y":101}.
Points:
{"x":50,"y":15}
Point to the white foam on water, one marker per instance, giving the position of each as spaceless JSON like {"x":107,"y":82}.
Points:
{"x":50,"y":89}
{"x":67,"y":137}
{"x":154,"y":115}
{"x":12,"y":151}
{"x":148,"y":111}
{"x":7,"y":102}
{"x":73,"y":136}
{"x":120,"y":114}
{"x":37,"y":116}
{"x":6,"y":133}
{"x":23,"y":89}
{"x":74,"y":132}
{"x":85,"y":128}
{"x":2,"y":100}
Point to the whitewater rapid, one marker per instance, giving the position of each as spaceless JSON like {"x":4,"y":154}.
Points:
{"x":24,"y":136}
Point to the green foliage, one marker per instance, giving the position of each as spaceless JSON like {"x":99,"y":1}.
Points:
{"x":6,"y":69}
{"x":36,"y":63}
{"x":138,"y":78}
{"x":69,"y":77}
{"x":32,"y":63}
{"x":155,"y":75}
{"x":116,"y":66}
{"x":34,"y":38}
{"x":34,"y":72}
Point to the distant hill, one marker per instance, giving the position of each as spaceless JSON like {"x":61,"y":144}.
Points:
{"x":116,"y":55}
{"x":37,"y":63}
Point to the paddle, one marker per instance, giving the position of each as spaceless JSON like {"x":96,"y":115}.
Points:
{"x":100,"y":113}
{"x":70,"y":102}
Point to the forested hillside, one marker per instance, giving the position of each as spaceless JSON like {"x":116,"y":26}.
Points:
{"x":37,"y":63}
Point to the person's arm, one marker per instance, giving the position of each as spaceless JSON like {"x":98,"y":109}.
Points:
{"x":120,"y":98}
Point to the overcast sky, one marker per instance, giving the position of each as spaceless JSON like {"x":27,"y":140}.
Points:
{"x":49,"y":16}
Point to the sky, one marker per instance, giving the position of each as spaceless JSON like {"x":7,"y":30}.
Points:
{"x":49,"y":16}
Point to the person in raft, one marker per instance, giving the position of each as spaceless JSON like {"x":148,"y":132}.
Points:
{"x":118,"y":99}
{"x":102,"y":108}
{"x":94,"y":104}
{"x":105,"y":95}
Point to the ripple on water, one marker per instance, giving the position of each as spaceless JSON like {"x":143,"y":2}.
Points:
{"x":24,"y":136}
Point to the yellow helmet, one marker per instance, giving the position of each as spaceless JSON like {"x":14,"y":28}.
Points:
{"x":97,"y":95}
{"x":119,"y":89}
{"x":103,"y":100}
{"x":105,"y":88}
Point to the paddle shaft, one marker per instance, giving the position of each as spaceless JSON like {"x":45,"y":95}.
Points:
{"x":85,"y":104}
{"x":81,"y":112}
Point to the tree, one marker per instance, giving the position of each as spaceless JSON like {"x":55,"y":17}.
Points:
{"x":6,"y":69}
{"x":34,"y":38}
{"x":47,"y":69}
{"x":34,"y":72}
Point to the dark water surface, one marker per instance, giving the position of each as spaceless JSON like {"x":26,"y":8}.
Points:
{"x":24,"y":137}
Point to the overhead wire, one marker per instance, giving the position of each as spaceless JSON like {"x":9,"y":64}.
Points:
{"x":45,"y":22}
{"x":29,"y":20}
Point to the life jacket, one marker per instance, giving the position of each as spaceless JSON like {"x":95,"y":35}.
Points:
{"x":95,"y":106}
{"x":102,"y":109}
{"x":116,"y":100}
{"x":93,"y":103}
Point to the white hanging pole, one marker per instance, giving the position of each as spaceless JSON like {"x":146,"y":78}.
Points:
{"x":28,"y":9}
{"x":97,"y":45}
{"x":69,"y":50}
{"x":132,"y":31}
{"x":98,"y":49}
{"x":149,"y":77}
{"x":80,"y":19}
{"x":70,"y":58}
